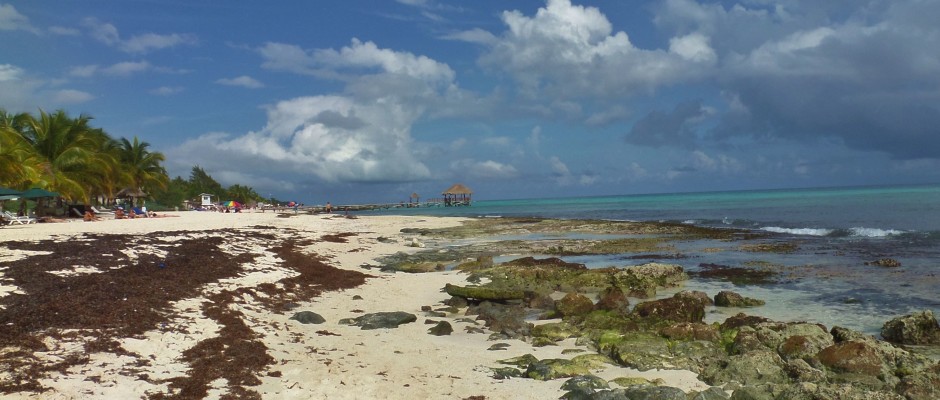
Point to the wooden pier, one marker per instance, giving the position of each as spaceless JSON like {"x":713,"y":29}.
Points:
{"x":342,"y":208}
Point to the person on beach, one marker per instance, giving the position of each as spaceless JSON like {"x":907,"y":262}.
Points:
{"x":90,"y":216}
{"x":329,"y":208}
{"x":119,"y":213}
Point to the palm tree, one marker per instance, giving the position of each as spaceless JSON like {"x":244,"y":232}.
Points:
{"x":243,"y":194}
{"x":68,"y":149}
{"x":19,"y":164}
{"x":110,"y":175}
{"x":143,"y":167}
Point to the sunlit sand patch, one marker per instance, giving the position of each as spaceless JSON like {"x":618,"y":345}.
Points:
{"x":7,"y":289}
{"x":155,"y":355}
{"x":20,"y":255}
{"x":76,"y":271}
{"x":163,"y":346}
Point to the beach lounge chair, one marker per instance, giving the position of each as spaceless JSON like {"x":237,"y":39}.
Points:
{"x":95,"y":210}
{"x":14,"y":219}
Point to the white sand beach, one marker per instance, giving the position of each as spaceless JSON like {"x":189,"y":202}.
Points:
{"x":311,"y":361}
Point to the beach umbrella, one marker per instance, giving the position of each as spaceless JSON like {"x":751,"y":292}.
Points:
{"x":8,"y":194}
{"x":37,"y":193}
{"x":230,"y":203}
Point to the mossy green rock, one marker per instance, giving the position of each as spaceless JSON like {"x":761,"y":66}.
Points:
{"x":643,"y":351}
{"x":554,"y":331}
{"x":690,"y":331}
{"x":480,"y":263}
{"x":542,"y":342}
{"x":585,"y":382}
{"x":522,"y":361}
{"x":613,"y":299}
{"x":547,"y":275}
{"x":712,"y":393}
{"x":641,"y":393}
{"x":731,"y":299}
{"x":916,"y":328}
{"x":802,"y":347}
{"x":673,"y":309}
{"x":755,"y":367}
{"x":506,"y":372}
{"x":853,"y":357}
{"x":696,"y":355}
{"x":608,"y":320}
{"x":632,"y":381}
{"x":484,"y":293}
{"x":554,"y":368}
{"x":574,"y":304}
{"x":380,"y":320}
{"x":593,"y":361}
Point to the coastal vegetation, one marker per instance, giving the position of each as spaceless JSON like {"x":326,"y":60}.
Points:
{"x":84,"y":164}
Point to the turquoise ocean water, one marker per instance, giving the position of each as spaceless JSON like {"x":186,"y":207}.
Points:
{"x":825,"y":281}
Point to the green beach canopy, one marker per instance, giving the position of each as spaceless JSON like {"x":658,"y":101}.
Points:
{"x":37,"y":193}
{"x":8,"y":194}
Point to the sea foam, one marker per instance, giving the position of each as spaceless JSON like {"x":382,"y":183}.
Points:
{"x":874,"y":232}
{"x":859,"y":232}
{"x":799,"y":231}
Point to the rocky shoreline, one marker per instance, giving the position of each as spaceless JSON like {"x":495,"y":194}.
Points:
{"x":542,"y":300}
{"x":256,"y":305}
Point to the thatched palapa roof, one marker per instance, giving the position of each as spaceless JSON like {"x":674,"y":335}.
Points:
{"x":131,"y":192}
{"x":458,"y":189}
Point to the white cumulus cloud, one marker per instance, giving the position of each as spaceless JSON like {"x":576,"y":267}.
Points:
{"x":570,"y":51}
{"x":167,"y":90}
{"x":243,"y":81}
{"x":9,"y":72}
{"x":487,"y":169}
{"x":358,"y":57}
{"x":108,"y":34}
{"x":69,"y":96}
{"x":12,"y":20}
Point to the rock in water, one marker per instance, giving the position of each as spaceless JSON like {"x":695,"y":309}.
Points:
{"x":727,"y":298}
{"x":308,"y":317}
{"x":885,"y":262}
{"x":916,"y":328}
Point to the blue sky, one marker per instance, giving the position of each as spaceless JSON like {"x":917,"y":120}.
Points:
{"x":369,"y":101}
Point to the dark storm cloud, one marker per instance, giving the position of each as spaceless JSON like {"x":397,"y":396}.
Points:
{"x":674,"y":128}
{"x":863,"y":73}
{"x":875,"y":91}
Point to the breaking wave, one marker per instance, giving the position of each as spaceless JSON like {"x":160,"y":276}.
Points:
{"x":850,"y":232}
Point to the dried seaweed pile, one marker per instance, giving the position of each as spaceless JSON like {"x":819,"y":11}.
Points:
{"x":132,"y":296}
